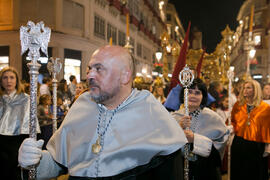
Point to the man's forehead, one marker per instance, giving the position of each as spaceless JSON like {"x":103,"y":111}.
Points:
{"x":108,"y":53}
{"x":99,"y":59}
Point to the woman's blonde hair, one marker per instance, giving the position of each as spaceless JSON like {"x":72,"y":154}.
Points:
{"x":18,"y":87}
{"x":257,"y":97}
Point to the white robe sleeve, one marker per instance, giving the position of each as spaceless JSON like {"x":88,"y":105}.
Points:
{"x":202,"y":145}
{"x":47,"y":167}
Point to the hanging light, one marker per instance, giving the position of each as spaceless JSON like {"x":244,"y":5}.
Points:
{"x":168,"y":48}
{"x":123,"y":2}
{"x":161,"y":4}
{"x":158,"y":54}
{"x":144,"y":71}
{"x":252,"y":53}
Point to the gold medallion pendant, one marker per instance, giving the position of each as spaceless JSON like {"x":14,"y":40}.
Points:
{"x":96,"y":147}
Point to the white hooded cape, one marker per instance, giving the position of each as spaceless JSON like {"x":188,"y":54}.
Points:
{"x":140,"y":130}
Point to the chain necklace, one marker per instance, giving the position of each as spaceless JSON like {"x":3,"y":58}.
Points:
{"x":195,"y":114}
{"x":194,"y":126}
{"x":96,"y":148}
{"x":249,"y":109}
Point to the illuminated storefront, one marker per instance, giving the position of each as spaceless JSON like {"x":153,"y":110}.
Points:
{"x":72,"y":64}
{"x":4,"y":56}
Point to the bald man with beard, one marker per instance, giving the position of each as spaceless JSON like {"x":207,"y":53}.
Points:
{"x":111,"y":132}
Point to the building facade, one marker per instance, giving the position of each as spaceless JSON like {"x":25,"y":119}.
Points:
{"x":175,"y":34}
{"x":79,"y":27}
{"x":260,"y":65}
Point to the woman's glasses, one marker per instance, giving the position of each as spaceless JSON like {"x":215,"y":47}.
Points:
{"x":195,"y":92}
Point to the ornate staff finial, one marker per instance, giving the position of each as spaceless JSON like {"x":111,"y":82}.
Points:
{"x":186,"y":78}
{"x":54,"y":66}
{"x":34,"y":37}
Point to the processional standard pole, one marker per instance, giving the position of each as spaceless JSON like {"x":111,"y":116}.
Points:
{"x":230,"y":75}
{"x":186,"y":78}
{"x":34,"y":37}
{"x":54,"y":66}
{"x":128,"y":45}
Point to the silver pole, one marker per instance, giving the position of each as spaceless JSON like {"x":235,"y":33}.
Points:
{"x":34,"y":37}
{"x":230,"y":75}
{"x":54,"y":66}
{"x":186,"y":78}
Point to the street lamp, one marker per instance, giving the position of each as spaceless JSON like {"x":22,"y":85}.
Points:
{"x":161,"y":4}
{"x":252,"y":53}
{"x":158,"y":55}
{"x":169,"y":48}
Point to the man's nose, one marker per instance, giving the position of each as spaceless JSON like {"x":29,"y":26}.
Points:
{"x":91,"y":74}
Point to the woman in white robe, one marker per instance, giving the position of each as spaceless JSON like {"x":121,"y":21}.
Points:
{"x":14,"y":121}
{"x":207,"y":134}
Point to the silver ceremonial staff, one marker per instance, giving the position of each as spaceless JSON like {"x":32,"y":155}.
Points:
{"x":186,"y":78}
{"x":230,"y":75}
{"x":54,"y":66}
{"x":34,"y":37}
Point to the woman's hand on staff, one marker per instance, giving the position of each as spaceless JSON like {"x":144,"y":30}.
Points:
{"x":185,"y":122}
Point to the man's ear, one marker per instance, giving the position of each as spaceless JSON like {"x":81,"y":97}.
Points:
{"x":125,"y":76}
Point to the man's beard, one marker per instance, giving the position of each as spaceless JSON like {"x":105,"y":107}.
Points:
{"x":102,"y":96}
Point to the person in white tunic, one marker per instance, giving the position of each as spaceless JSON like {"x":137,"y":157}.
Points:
{"x":112,"y":131}
{"x":207,"y":134}
{"x":14,"y":122}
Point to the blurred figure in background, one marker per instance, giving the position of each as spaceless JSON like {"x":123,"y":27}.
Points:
{"x":207,"y":82}
{"x":26,"y":88}
{"x":223,"y":110}
{"x":45,"y":87}
{"x":72,"y":87}
{"x":81,"y":87}
{"x":62,"y":90}
{"x":64,"y":93}
{"x":237,"y":86}
{"x":61,"y":109}
{"x":266,"y":93}
{"x":158,"y":89}
{"x":215,"y":89}
{"x":44,"y":113}
{"x":158,"y":92}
